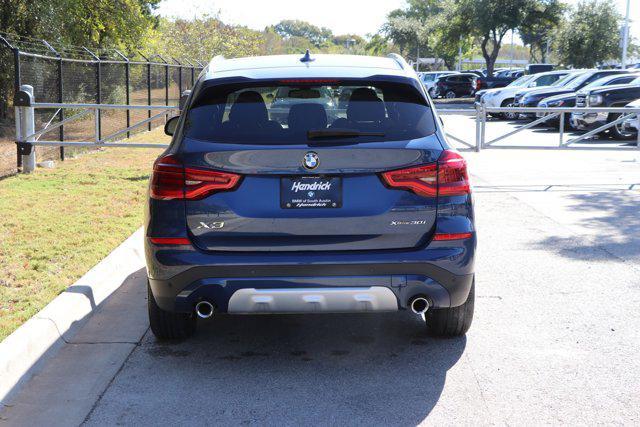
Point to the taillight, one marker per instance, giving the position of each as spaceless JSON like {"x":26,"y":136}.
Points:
{"x":447,"y":177}
{"x":167,"y":181}
{"x":478,"y":84}
{"x":171,"y":180}
{"x":422,"y":180}
{"x":453,"y":179}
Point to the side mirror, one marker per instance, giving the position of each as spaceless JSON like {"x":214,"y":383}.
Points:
{"x":183,"y":99}
{"x":171,"y":125}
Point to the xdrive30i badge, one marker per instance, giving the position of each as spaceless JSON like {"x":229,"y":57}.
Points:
{"x":414,"y":222}
{"x":311,"y":160}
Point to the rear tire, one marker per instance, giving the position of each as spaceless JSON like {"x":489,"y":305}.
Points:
{"x":167,"y":325}
{"x":453,"y":321}
{"x":450,"y":94}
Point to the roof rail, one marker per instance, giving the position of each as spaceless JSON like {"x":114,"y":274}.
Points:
{"x":211,"y":65}
{"x":399,"y":59}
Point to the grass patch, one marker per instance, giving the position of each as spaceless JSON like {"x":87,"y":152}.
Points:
{"x":56,"y":224}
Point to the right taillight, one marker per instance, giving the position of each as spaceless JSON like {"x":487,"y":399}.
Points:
{"x":171,"y":180}
{"x":447,"y":177}
{"x":453,"y":179}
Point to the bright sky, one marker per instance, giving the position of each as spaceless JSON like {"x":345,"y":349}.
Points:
{"x":341,"y":16}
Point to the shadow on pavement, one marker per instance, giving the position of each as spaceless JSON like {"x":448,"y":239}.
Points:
{"x":289,"y":369}
{"x":614,"y":220}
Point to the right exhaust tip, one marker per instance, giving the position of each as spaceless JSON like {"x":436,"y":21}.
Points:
{"x":419,"y":305}
{"x":204,"y":309}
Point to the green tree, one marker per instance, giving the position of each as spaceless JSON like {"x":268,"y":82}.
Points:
{"x":107,"y":23}
{"x":541,"y":20}
{"x":92,"y":23}
{"x":591,"y":35}
{"x":430,"y":28}
{"x":203,"y":38}
{"x":318,"y":36}
{"x":379,"y":45}
{"x":489,"y":21}
{"x":413,"y":29}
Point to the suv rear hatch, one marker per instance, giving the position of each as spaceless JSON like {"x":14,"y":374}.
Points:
{"x":317,"y":181}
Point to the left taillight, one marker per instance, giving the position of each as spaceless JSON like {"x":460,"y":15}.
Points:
{"x":171,"y":180}
{"x":446,"y":177}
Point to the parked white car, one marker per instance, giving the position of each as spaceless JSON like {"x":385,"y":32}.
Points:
{"x":632,"y":123}
{"x":504,"y":96}
{"x":429,"y":78}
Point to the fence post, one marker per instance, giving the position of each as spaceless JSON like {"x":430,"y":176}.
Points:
{"x":179,"y":75}
{"x":60,"y":92}
{"x":478,"y":125}
{"x":17,"y":83}
{"x":25,"y":119}
{"x":148,"y":87}
{"x":127,"y":78}
{"x":638,"y":127}
{"x":561,"y":129}
{"x":60,"y":100}
{"x":98,"y":90}
{"x":166,"y":86}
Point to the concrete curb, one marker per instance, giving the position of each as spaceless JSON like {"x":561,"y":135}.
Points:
{"x":24,"y":351}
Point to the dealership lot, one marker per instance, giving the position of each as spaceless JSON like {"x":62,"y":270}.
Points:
{"x":464,"y":127}
{"x":556,"y":322}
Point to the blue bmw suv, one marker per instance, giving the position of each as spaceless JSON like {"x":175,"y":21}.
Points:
{"x":349,"y":201}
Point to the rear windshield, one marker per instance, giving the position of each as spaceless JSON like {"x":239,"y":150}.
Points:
{"x":294,"y":113}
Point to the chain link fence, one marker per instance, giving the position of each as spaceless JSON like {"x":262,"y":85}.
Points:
{"x":71,"y":74}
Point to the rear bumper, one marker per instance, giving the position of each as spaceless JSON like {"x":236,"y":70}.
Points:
{"x":181,"y":278}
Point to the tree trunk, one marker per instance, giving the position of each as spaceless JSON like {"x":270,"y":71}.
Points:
{"x":491,"y":57}
{"x":543,"y":53}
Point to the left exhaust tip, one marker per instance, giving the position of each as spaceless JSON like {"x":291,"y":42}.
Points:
{"x":204,"y":309}
{"x":419,"y":305}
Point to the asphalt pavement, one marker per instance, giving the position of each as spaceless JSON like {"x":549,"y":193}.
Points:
{"x":555,"y":339}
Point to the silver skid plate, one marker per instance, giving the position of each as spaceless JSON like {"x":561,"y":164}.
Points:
{"x":311,"y":300}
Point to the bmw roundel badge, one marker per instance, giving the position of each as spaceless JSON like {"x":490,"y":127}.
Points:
{"x":311,"y":160}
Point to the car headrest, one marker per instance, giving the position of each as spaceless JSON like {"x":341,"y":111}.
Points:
{"x":365,"y":106}
{"x":249,"y":109}
{"x":303,"y":117}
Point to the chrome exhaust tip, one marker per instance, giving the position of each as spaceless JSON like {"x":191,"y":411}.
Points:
{"x":419,"y":305}
{"x":204,"y":309}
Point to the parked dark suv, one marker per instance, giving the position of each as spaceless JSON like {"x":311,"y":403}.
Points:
{"x":608,"y":96}
{"x":456,"y":85}
{"x":371,"y":211}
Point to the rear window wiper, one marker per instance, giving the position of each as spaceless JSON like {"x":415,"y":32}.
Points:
{"x":339,"y":133}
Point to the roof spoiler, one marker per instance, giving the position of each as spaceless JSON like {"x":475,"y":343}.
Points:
{"x":400,"y":60}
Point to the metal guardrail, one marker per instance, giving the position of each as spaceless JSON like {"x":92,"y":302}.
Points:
{"x":481,"y":113}
{"x":27,"y":137}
